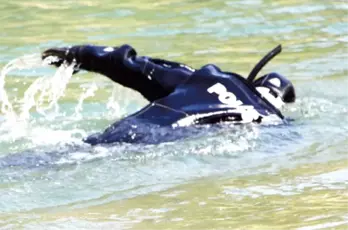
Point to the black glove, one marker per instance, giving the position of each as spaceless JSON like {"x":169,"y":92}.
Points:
{"x":62,"y":54}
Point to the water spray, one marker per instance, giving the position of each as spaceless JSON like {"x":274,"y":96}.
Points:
{"x":43,"y":94}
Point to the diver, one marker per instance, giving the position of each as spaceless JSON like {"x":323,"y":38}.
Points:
{"x":179,"y":96}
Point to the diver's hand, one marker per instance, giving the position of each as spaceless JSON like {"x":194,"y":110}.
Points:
{"x":59,"y":55}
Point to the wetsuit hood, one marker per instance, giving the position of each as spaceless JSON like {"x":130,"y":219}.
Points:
{"x":278,"y":85}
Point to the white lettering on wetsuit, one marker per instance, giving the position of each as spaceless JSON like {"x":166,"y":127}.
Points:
{"x":265,"y":92}
{"x":108,"y":49}
{"x":224,"y":96}
{"x":248,"y":112}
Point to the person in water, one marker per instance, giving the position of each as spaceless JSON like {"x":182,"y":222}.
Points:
{"x":179,"y":96}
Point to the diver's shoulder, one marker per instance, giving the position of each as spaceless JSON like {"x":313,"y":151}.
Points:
{"x":215,"y":71}
{"x":212,"y":68}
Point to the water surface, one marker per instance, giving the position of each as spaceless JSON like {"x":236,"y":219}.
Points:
{"x":269,"y":177}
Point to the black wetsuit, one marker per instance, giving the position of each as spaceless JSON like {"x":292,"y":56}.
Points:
{"x":178,"y":95}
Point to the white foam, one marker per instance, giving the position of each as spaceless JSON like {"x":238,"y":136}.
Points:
{"x":42,"y":95}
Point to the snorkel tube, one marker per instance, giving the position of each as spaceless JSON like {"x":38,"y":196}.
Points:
{"x":263,"y":62}
{"x":252,"y":76}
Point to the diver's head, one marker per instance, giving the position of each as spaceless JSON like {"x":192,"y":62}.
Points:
{"x":277,"y":86}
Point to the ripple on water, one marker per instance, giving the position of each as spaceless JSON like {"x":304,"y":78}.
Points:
{"x":260,"y":177}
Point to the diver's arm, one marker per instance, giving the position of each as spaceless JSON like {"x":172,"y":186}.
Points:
{"x":117,"y":63}
{"x":153,"y":78}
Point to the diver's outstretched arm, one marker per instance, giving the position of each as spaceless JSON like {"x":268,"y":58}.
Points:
{"x":153,"y":78}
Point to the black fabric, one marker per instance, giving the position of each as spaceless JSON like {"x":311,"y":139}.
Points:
{"x":153,"y":78}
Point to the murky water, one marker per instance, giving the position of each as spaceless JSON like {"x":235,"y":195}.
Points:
{"x":268,"y":177}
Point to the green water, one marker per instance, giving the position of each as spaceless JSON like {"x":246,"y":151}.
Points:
{"x":293,"y":177}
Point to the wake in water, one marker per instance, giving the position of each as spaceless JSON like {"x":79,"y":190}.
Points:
{"x":238,"y":139}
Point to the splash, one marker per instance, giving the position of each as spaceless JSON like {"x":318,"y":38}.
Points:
{"x":43,"y":94}
{"x":89,"y":92}
{"x":25,"y":62}
{"x":48,"y":91}
{"x":112,"y":105}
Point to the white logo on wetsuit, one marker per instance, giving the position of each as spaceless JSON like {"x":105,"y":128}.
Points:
{"x":248,"y":112}
{"x":108,"y":49}
{"x":224,"y":96}
{"x":265,"y":92}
